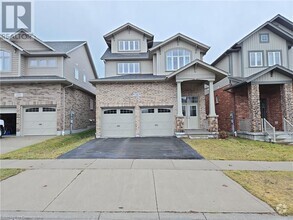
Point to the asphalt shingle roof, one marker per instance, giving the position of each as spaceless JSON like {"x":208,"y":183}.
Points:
{"x":64,"y":46}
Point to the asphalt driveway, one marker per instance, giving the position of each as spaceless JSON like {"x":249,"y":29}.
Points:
{"x":134,"y":148}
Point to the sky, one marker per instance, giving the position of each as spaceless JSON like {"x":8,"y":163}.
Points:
{"x":218,"y":24}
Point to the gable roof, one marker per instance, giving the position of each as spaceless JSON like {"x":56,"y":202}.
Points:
{"x":128,"y":26}
{"x":283,"y":21}
{"x":183,"y":37}
{"x":269,"y":25}
{"x":220,"y":74}
{"x":249,"y":79}
{"x":31,"y":35}
{"x":65,"y":46}
{"x":11,"y":43}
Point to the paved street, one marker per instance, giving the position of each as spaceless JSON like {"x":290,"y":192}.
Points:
{"x":156,"y":189}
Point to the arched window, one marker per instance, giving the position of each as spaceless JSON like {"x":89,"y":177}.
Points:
{"x":5,"y":61}
{"x":177,"y":58}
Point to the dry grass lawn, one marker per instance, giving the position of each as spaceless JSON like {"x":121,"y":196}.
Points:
{"x":6,"y":173}
{"x":52,"y":148}
{"x":273,"y":187}
{"x":241,"y":149}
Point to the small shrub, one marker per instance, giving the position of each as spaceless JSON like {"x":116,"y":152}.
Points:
{"x":223,"y":135}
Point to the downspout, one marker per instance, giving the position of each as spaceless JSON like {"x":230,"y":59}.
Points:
{"x":64,"y":109}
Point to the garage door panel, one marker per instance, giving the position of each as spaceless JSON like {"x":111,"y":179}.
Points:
{"x":156,"y":122}
{"x":40,"y":121}
{"x":117,"y":124}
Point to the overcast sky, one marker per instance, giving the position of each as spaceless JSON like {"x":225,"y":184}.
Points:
{"x":218,"y":24}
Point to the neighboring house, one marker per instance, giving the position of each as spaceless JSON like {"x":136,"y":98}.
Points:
{"x":154,"y":88}
{"x":44,"y":87}
{"x":259,"y":82}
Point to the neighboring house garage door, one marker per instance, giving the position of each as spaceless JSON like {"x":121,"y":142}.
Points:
{"x":9,"y":117}
{"x":40,"y":121}
{"x":156,"y":122}
{"x":118,"y":123}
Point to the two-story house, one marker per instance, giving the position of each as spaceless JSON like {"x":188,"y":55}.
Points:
{"x":44,"y":86}
{"x":256,"y":97}
{"x":154,"y":88}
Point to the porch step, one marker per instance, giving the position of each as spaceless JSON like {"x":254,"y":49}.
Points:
{"x":284,"y":138}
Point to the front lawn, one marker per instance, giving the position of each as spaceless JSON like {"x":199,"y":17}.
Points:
{"x":273,"y":187}
{"x":6,"y":173}
{"x":241,"y":149}
{"x":52,"y":148}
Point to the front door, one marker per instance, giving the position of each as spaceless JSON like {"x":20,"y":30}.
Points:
{"x":263,"y":108}
{"x":190,"y":113}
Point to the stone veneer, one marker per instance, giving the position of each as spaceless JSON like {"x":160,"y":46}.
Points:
{"x":254,"y":106}
{"x":48,"y":95}
{"x":287,"y":101}
{"x":138,"y":95}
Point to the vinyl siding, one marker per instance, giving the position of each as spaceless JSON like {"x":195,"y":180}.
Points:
{"x":236,"y":64}
{"x":14,"y":59}
{"x":224,"y":64}
{"x":79,"y":59}
{"x":197,"y":74}
{"x":253,"y":44}
{"x":31,"y":44}
{"x":57,"y":71}
{"x":111,"y":67}
{"x":128,"y":35}
{"x":290,"y":58}
{"x":275,"y":77}
{"x":161,"y":54}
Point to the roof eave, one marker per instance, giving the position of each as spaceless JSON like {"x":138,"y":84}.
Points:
{"x":125,"y":80}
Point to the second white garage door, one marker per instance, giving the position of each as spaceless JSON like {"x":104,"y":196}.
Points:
{"x":156,"y":122}
{"x":118,"y":123}
{"x":40,"y":121}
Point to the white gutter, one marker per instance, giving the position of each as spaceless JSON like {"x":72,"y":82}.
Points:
{"x":64,"y":88}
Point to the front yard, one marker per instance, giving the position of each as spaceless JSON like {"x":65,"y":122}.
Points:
{"x":273,"y":187}
{"x":6,"y":173}
{"x":51,"y":148}
{"x":241,"y":149}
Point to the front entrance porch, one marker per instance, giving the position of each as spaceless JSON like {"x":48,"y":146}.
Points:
{"x":191,"y":112}
{"x":269,"y":112}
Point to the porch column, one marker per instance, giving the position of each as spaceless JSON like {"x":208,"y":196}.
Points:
{"x":254,"y":106}
{"x":211,"y":99}
{"x":179,"y":117}
{"x":179,"y":101}
{"x":212,"y":117}
{"x":287,"y":101}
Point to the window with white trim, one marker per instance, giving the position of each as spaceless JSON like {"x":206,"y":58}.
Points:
{"x":274,"y":57}
{"x":5,"y":61}
{"x":124,"y":68}
{"x":128,"y":45}
{"x":177,"y":58}
{"x":76,"y":73}
{"x":256,"y":59}
{"x":42,"y":62}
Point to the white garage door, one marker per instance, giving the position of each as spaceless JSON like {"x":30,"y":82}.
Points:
{"x":118,"y":123}
{"x":40,"y":121}
{"x":157,"y":122}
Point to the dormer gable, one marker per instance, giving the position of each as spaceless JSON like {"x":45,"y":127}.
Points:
{"x":129,"y":39}
{"x":29,"y":41}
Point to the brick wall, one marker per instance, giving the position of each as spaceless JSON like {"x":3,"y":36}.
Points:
{"x":48,"y":95}
{"x":272,"y":95}
{"x":224,"y":107}
{"x":134,"y":95}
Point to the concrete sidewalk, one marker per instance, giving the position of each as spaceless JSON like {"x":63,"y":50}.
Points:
{"x":215,"y":165}
{"x":131,"y":189}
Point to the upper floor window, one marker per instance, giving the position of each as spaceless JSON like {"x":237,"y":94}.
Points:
{"x":264,"y":38}
{"x":76,"y":73}
{"x":129,"y":45}
{"x":274,"y":57}
{"x":177,"y":58}
{"x":256,"y":59}
{"x":5,"y":61}
{"x":42,"y":62}
{"x":128,"y":68}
